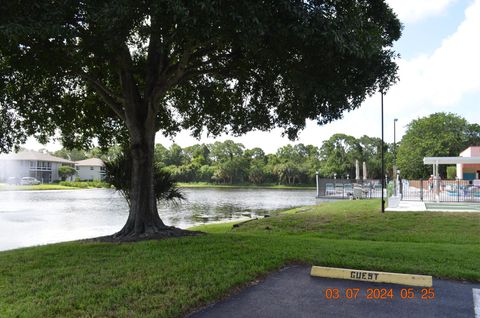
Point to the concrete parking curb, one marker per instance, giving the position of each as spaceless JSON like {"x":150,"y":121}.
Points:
{"x":371,"y":276}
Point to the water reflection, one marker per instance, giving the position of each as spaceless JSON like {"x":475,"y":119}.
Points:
{"x":38,"y":217}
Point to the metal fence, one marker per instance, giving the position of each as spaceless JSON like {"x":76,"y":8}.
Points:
{"x":440,"y":190}
{"x":349,"y":189}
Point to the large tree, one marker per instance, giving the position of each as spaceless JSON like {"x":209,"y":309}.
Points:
{"x":126,"y":69}
{"x":338,"y":155}
{"x":437,"y":135}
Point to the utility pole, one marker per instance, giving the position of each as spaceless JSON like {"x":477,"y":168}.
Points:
{"x":383,"y":163}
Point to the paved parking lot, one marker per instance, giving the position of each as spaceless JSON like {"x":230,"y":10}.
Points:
{"x":292,"y":292}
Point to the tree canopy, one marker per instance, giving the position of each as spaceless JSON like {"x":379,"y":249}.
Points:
{"x":119,"y":71}
{"x":436,"y":135}
{"x":66,"y":171}
{"x":339,"y":153}
{"x":78,"y":66}
{"x":231,"y":162}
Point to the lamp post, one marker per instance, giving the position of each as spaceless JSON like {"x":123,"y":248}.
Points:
{"x":395,"y":156}
{"x":395,"y":142}
{"x":383,"y":164}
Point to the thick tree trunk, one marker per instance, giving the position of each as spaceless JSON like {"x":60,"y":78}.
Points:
{"x":143,"y":216}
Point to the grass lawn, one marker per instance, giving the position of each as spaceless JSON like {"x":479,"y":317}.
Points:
{"x":172,"y":277}
{"x":63,"y":185}
{"x":6,"y":187}
{"x":243,"y":186}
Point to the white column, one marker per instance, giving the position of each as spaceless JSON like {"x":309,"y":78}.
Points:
{"x":460,"y":171}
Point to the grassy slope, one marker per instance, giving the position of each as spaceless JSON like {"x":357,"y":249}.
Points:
{"x":171,"y":277}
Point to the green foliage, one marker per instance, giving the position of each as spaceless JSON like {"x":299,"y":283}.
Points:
{"x":85,"y":184}
{"x":437,"y":135}
{"x":230,"y":163}
{"x":118,"y":173}
{"x":37,"y":187}
{"x":451,"y":172}
{"x":73,"y":155}
{"x":66,"y":171}
{"x":105,"y":153}
{"x":86,"y":69}
{"x":79,"y":154}
{"x":339,"y":153}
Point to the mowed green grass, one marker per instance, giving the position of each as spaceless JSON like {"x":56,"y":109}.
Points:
{"x":360,"y":220}
{"x":170,"y":278}
{"x":5,"y":187}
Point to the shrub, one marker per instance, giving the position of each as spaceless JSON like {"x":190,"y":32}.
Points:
{"x":85,"y":184}
{"x":118,"y":174}
{"x":451,"y":172}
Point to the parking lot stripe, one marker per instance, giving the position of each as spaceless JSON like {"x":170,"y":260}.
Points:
{"x":476,"y":301}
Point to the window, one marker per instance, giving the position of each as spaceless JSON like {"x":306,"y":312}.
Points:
{"x":91,"y":168}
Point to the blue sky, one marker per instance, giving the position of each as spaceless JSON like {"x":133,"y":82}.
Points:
{"x":439,"y":71}
{"x":425,"y":35}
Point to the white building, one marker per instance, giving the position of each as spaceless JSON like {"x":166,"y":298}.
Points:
{"x":42,"y":166}
{"x":90,"y":169}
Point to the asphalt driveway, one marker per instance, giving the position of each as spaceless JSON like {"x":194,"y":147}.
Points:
{"x":292,"y":292}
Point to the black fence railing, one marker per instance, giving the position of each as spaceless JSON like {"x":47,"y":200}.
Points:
{"x":349,"y":189}
{"x":440,"y":190}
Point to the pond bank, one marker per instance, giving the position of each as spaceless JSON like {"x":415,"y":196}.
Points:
{"x":58,"y":215}
{"x":176,"y":276}
{"x":244,"y":186}
{"x":37,"y":187}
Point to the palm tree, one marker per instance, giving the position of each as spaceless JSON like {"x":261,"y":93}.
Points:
{"x":118,"y":172}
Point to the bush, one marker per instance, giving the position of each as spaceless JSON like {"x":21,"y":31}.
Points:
{"x":66,"y":171}
{"x":451,"y":172}
{"x":85,"y":184}
{"x":118,"y":174}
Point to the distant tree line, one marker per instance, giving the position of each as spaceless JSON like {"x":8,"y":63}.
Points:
{"x":439,"y":134}
{"x":229,"y":162}
{"x":436,"y":135}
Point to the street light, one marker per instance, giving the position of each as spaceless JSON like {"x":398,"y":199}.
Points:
{"x":395,"y":156}
{"x":395,"y":142}
{"x":383,"y":163}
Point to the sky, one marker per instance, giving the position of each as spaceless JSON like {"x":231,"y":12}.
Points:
{"x":439,"y":71}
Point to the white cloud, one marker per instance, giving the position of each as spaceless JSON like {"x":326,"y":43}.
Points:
{"x":415,"y":10}
{"x":449,"y":73}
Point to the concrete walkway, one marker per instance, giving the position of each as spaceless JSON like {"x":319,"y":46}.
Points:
{"x":415,"y":206}
{"x":407,"y":206}
{"x":292,"y":292}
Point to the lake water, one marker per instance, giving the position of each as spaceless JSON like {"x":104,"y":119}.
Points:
{"x":30,"y":218}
